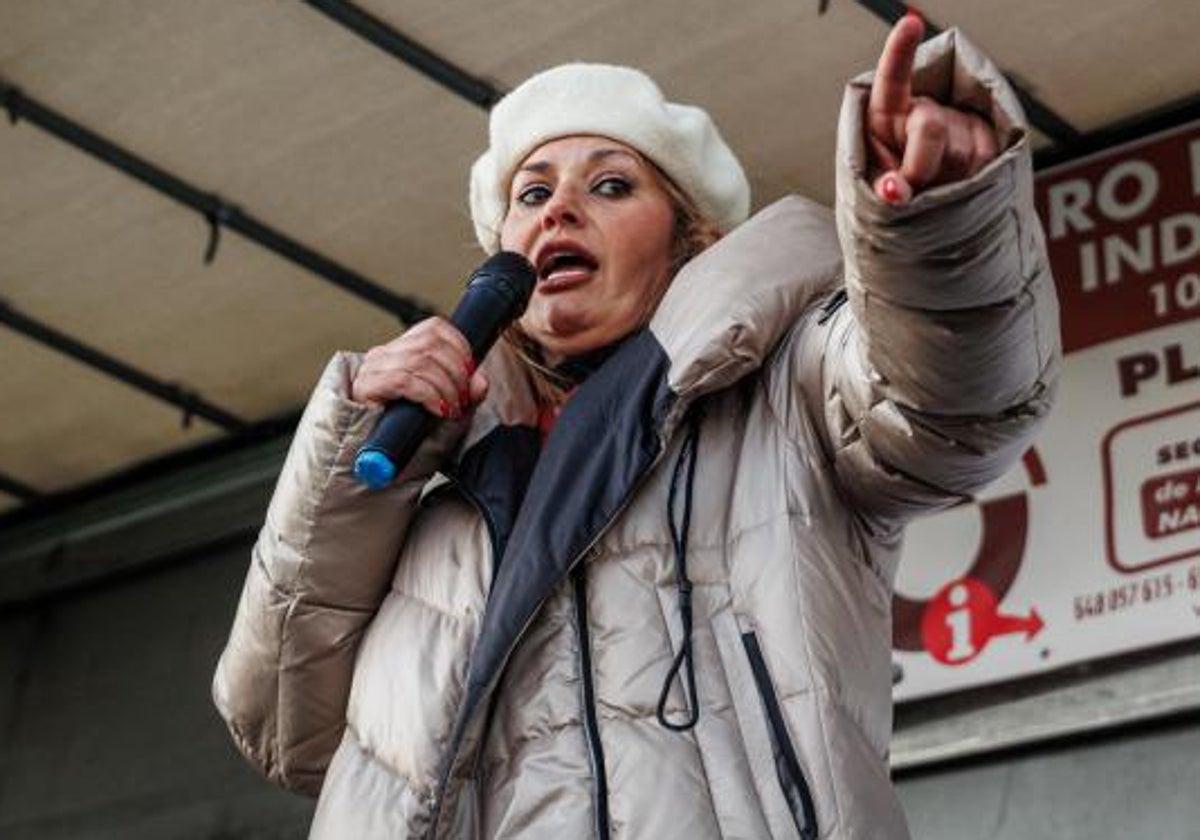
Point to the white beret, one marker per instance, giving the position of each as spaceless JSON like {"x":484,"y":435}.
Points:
{"x":616,"y":102}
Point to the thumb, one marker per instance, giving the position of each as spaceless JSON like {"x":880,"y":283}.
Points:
{"x":479,"y":387}
{"x":893,"y":188}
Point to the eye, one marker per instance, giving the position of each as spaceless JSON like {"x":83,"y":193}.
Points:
{"x":613,"y":186}
{"x":533,"y":195}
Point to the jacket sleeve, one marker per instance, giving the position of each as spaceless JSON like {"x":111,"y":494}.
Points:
{"x":322,"y":564}
{"x":932,"y":381}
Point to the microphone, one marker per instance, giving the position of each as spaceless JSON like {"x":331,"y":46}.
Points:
{"x":496,"y":295}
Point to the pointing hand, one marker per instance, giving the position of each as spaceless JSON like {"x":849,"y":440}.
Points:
{"x":915,"y":142}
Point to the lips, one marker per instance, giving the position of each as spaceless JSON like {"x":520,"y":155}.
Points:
{"x":562,"y":263}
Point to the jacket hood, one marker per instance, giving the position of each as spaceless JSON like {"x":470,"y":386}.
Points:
{"x":728,"y":307}
{"x":723,"y":313}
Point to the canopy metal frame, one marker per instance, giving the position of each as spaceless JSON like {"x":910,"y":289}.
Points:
{"x":192,"y":404}
{"x":414,"y":54}
{"x":215,"y":210}
{"x":18,"y":489}
{"x":1068,"y":143}
{"x":1163,"y":118}
{"x":218,"y":213}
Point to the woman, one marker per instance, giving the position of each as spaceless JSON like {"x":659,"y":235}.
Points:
{"x":641,"y":588}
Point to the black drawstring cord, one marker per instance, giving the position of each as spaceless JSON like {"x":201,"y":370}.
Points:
{"x":679,"y":536}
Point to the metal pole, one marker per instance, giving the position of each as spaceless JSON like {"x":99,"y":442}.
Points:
{"x":1163,"y":118}
{"x":412,"y":53}
{"x":20,"y":489}
{"x":192,"y":404}
{"x":216,"y":211}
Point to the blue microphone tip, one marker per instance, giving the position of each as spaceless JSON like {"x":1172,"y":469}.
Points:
{"x":374,"y":469}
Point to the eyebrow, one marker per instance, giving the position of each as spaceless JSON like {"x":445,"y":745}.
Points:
{"x":543,"y":166}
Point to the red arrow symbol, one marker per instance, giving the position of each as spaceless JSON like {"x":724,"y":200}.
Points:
{"x":1030,"y":625}
{"x":963,"y":617}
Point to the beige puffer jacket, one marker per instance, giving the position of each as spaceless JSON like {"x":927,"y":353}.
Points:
{"x":479,"y":653}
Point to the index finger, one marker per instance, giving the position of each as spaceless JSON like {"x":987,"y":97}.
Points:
{"x":892,"y":88}
{"x":443,"y":329}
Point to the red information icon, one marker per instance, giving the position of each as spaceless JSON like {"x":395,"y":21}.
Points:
{"x":957,"y":623}
{"x":964,"y":616}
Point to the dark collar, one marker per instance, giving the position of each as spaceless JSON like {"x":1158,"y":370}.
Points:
{"x":576,"y":369}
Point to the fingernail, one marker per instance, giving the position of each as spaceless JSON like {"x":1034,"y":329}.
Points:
{"x":913,"y":14}
{"x":444,"y":408}
{"x":469,"y":366}
{"x":891,"y":189}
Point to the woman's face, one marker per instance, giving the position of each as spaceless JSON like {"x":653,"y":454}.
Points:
{"x":591,"y":216}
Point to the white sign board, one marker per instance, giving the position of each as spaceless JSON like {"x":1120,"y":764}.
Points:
{"x":1091,"y":546}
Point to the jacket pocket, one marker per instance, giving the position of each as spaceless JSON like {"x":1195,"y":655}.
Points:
{"x":787,"y":766}
{"x":782,"y":790}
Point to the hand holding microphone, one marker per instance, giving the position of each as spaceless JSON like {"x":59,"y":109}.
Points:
{"x":431,"y":365}
{"x":429,"y":372}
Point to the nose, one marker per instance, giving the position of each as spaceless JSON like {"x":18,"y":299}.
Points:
{"x":562,"y":210}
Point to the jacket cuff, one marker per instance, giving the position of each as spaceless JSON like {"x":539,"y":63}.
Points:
{"x":947,"y":248}
{"x":329,"y":537}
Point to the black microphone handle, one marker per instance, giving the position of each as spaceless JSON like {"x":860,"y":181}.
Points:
{"x":484,"y":311}
{"x":404,"y":423}
{"x":399,"y":432}
{"x":496,"y":295}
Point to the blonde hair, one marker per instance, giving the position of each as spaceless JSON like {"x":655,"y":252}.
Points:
{"x":693,"y":233}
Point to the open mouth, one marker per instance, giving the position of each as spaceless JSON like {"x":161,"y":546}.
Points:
{"x":565,"y":263}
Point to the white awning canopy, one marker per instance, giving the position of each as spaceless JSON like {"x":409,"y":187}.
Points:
{"x":326,"y":138}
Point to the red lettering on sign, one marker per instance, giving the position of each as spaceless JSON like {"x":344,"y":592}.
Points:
{"x":1171,"y":503}
{"x":1124,"y":243}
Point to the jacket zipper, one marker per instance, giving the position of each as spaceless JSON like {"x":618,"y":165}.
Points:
{"x":437,"y":796}
{"x":480,"y":508}
{"x":591,"y":725}
{"x":833,"y":304}
{"x":787,"y":766}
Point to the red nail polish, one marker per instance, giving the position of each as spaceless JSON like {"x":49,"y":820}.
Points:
{"x":891,"y":189}
{"x":469,"y":366}
{"x":913,"y":14}
{"x":444,"y":408}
